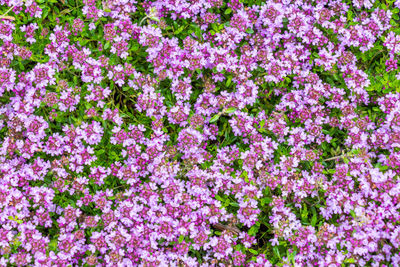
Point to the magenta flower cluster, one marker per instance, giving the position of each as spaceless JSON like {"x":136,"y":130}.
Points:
{"x":199,"y":133}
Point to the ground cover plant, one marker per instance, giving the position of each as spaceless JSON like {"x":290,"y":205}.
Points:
{"x":199,"y":133}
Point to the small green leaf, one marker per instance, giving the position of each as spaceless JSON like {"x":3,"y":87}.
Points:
{"x":228,"y":11}
{"x":229,"y":81}
{"x":21,"y":65}
{"x":276,"y":251}
{"x":179,"y":30}
{"x":349,"y":15}
{"x":314,"y":219}
{"x":291,"y":256}
{"x":353,"y":214}
{"x":262,"y":123}
{"x":230,"y":110}
{"x":53,"y":244}
{"x":253,"y":230}
{"x":245,"y":176}
{"x":107,"y":45}
{"x":351,"y":260}
{"x":82,"y":42}
{"x":255,"y":252}
{"x":180,"y":240}
{"x":198,"y":33}
{"x":234,"y":204}
{"x":214,"y":26}
{"x":250,"y":30}
{"x":45,"y":12}
{"x":266,"y":200}
{"x":214,"y":118}
{"x":218,"y":197}
{"x":304,"y":213}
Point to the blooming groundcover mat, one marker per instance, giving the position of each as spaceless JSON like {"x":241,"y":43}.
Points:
{"x":199,"y":133}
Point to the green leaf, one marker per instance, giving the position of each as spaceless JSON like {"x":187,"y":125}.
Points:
{"x":214,"y":118}
{"x":304,"y":213}
{"x":45,"y":12}
{"x":314,"y":220}
{"x":230,"y":110}
{"x":180,"y":240}
{"x":197,"y":32}
{"x":155,"y":19}
{"x":245,"y":176}
{"x":53,"y":245}
{"x":353,"y":214}
{"x":228,"y":11}
{"x":291,"y":257}
{"x":219,"y":198}
{"x":349,"y":15}
{"x":21,"y":65}
{"x":253,"y":230}
{"x":229,"y":81}
{"x":255,"y":252}
{"x":82,"y":42}
{"x":262,"y":123}
{"x":180,"y":29}
{"x":276,"y":251}
{"x":250,"y":30}
{"x":351,"y":260}
{"x":214,"y":26}
{"x":266,"y":200}
{"x":107,"y":45}
{"x":314,"y":212}
{"x":234,"y":204}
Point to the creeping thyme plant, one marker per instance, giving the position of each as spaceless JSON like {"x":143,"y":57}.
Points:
{"x":199,"y":133}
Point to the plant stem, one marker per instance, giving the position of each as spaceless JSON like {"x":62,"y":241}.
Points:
{"x":222,"y":227}
{"x":140,"y":23}
{"x":11,"y":8}
{"x":333,"y":158}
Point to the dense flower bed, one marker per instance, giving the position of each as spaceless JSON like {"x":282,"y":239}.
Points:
{"x":208,"y":132}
